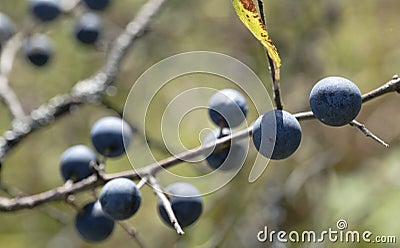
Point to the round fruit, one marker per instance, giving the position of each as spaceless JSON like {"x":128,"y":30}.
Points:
{"x":88,"y":28}
{"x":109,"y":135}
{"x":120,"y":198}
{"x":45,"y":10}
{"x":7,"y":28}
{"x":185,"y":201}
{"x":92,"y":224}
{"x":227,"y":108}
{"x":38,"y":49}
{"x":97,"y":4}
{"x":75,"y":162}
{"x":277,"y":134}
{"x":228,"y":159}
{"x":335,"y":101}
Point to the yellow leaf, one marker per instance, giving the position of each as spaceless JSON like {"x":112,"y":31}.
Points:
{"x":247,"y":12}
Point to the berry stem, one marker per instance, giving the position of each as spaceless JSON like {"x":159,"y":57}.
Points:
{"x":274,"y":70}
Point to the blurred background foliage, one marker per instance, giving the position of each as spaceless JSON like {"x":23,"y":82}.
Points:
{"x":336,"y":173}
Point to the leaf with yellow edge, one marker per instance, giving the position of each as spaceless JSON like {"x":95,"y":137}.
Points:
{"x":247,"y":12}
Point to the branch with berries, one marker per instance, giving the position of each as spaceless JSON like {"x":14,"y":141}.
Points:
{"x":334,"y":101}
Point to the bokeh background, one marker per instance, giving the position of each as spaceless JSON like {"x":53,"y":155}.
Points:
{"x":337,"y":173}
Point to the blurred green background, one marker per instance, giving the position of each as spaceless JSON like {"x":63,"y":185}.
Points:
{"x":337,"y":173}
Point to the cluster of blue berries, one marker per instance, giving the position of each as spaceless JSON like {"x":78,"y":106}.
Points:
{"x":335,"y":101}
{"x":120,"y":198}
{"x":276,"y":134}
{"x":227,"y":109}
{"x":38,"y":48}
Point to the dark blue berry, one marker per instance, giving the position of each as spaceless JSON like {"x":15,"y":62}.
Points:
{"x":38,"y":49}
{"x":227,"y":108}
{"x":88,"y":28}
{"x":228,"y":159}
{"x":120,"y":198}
{"x":92,"y":224}
{"x":335,"y":101}
{"x":110,"y":135}
{"x":45,"y":10}
{"x":97,"y":4}
{"x":277,"y":134}
{"x":75,"y":162}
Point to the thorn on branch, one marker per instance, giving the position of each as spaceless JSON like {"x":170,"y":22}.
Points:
{"x":166,"y":203}
{"x":368,"y":133}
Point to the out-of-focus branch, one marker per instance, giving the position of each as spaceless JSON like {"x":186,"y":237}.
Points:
{"x":8,"y":96}
{"x":93,"y":181}
{"x":273,"y":69}
{"x":85,"y":91}
{"x":46,"y":209}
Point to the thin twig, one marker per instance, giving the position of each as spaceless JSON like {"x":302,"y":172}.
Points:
{"x":391,"y":86}
{"x":166,"y":203}
{"x":6,"y":63}
{"x":142,"y":182}
{"x":303,"y":116}
{"x":93,"y":181}
{"x":368,"y":133}
{"x":131,"y":231}
{"x":156,"y":167}
{"x":272,"y":68}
